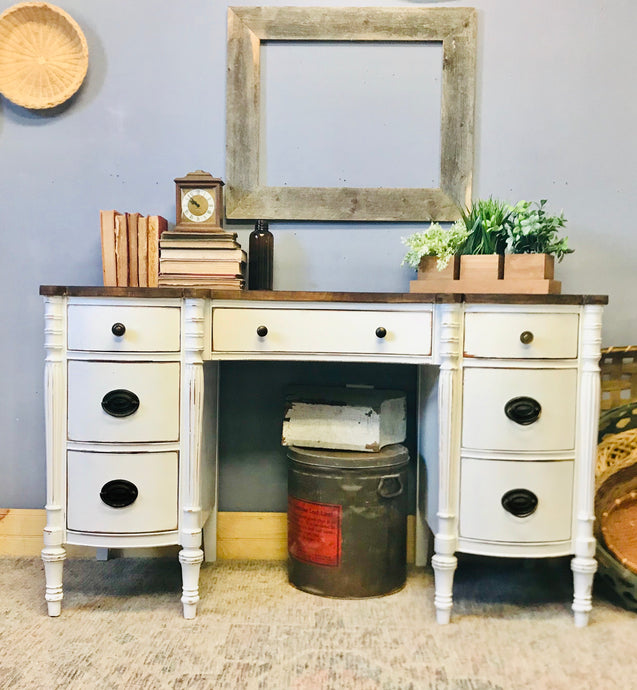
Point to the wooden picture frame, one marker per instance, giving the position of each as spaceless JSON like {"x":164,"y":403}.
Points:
{"x":247,"y":198}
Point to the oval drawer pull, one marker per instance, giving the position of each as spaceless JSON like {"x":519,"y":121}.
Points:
{"x":526,"y":337}
{"x":520,"y":502}
{"x":381,"y":332}
{"x":262,"y":331}
{"x":120,"y":403}
{"x":118,"y":329}
{"x":119,"y":493}
{"x":523,"y":410}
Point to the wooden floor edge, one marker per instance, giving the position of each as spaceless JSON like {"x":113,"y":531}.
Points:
{"x":240,"y":535}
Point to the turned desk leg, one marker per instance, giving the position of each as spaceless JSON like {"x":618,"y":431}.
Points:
{"x":53,"y":553}
{"x":190,"y":560}
{"x":53,"y":558}
{"x":444,"y":569}
{"x":583,"y":573}
{"x":583,"y":564}
{"x":444,"y":561}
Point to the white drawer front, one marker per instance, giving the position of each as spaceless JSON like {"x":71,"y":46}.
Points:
{"x":155,"y":384}
{"x":485,"y":424}
{"x":152,"y":476}
{"x":485,"y":483}
{"x":321,"y":331}
{"x":147,"y":329}
{"x":501,"y":335}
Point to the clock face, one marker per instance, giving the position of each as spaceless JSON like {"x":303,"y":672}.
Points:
{"x":197,"y":205}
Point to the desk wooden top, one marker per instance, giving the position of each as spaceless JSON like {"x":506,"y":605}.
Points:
{"x":305,"y":296}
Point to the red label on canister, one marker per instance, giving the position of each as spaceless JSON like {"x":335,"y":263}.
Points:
{"x":314,"y":531}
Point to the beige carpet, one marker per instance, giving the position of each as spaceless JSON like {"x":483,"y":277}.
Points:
{"x":121,"y":627}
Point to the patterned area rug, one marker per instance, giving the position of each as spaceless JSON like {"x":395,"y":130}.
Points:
{"x":121,"y":627}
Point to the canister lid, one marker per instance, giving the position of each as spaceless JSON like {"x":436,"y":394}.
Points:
{"x":389,"y":456}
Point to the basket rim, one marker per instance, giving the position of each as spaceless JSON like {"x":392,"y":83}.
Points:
{"x":67,"y":89}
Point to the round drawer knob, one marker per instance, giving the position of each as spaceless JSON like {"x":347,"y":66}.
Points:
{"x":523,"y":410}
{"x":120,"y":403}
{"x":526,"y":337}
{"x":520,"y":502}
{"x":118,"y":329}
{"x":262,"y":331}
{"x":119,"y":493}
{"x":381,"y":332}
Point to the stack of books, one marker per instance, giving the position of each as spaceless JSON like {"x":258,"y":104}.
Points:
{"x":205,"y":259}
{"x":130,"y":248}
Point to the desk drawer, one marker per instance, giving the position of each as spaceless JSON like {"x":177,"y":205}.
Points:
{"x":145,"y":329}
{"x":521,"y":335}
{"x":122,"y":493}
{"x":147,"y":411}
{"x":321,"y":331}
{"x":485,"y":485}
{"x":498,"y":409}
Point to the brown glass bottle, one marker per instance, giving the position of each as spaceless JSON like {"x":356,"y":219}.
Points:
{"x":260,"y":257}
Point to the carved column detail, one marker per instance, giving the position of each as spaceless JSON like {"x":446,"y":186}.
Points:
{"x":444,"y":561}
{"x":584,"y":564}
{"x":191,"y":555}
{"x":53,"y":554}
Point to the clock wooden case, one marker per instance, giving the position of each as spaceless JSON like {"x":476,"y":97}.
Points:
{"x":199,"y":203}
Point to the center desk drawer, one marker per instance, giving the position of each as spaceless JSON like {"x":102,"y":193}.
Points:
{"x":123,"y":401}
{"x":321,"y":331}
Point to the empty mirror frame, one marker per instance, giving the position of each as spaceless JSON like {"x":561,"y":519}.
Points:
{"x":247,"y":194}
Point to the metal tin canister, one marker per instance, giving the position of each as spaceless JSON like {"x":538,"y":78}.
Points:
{"x":347,"y":521}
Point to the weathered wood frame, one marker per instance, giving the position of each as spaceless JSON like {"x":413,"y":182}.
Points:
{"x":247,"y":198}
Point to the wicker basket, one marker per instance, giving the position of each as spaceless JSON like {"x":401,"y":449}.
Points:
{"x":616,"y":512}
{"x":43,"y":55}
{"x":616,"y":484}
{"x":619,"y":376}
{"x":621,"y":582}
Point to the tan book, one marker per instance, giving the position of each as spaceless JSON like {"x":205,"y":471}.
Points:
{"x":109,"y":262}
{"x":201,"y":267}
{"x":156,"y":226}
{"x":133,"y":273}
{"x":121,"y":248}
{"x":142,"y":250}
{"x":195,"y":253}
{"x":198,"y":243}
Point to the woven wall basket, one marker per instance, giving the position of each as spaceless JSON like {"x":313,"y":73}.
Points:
{"x":43,"y":55}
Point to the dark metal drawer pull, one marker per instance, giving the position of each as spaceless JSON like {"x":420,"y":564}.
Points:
{"x":262,"y":331}
{"x":119,"y":493}
{"x":520,"y":502}
{"x":381,"y":332}
{"x":120,"y":403}
{"x":523,"y":410}
{"x":118,"y":329}
{"x":526,"y":337}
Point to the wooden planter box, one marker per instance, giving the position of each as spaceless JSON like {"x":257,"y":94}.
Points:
{"x":489,"y":274}
{"x":529,"y":266}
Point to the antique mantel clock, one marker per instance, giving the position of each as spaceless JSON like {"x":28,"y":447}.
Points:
{"x":199,"y":203}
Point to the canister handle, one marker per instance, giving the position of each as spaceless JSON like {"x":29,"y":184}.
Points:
{"x":386,"y":492}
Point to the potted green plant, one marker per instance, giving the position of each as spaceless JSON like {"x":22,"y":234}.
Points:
{"x":488,"y":223}
{"x":534,"y":242}
{"x":434,"y":252}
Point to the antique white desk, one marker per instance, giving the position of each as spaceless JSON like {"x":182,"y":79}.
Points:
{"x":507,"y":416}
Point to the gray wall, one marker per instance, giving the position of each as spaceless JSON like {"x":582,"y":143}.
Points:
{"x":555,"y":115}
